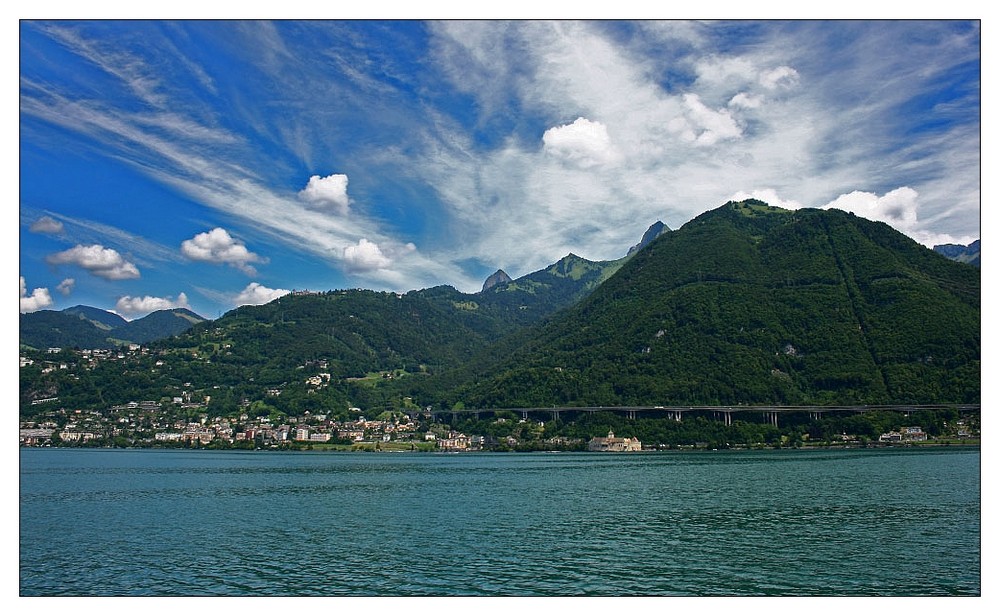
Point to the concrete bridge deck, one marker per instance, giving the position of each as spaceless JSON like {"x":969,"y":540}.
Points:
{"x":722,"y":413}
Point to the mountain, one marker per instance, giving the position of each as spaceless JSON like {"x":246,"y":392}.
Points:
{"x":745,"y":304}
{"x":534,"y":296}
{"x":86,"y":327}
{"x":156,"y":325}
{"x":498,"y":277}
{"x":102,"y":319}
{"x":754,"y":304}
{"x":51,"y":328}
{"x":963,"y":254}
{"x":654,"y":231}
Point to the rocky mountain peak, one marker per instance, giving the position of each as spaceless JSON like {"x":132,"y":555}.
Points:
{"x":498,"y":277}
{"x":654,"y":231}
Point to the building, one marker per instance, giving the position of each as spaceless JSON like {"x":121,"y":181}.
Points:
{"x":613,"y":443}
{"x":455,"y":441}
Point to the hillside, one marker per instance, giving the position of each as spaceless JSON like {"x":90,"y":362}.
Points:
{"x":86,"y":327}
{"x":752,"y":304}
{"x":745,"y":304}
{"x":963,"y":254}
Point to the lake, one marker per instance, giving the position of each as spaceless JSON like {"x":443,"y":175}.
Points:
{"x":885,"y":522}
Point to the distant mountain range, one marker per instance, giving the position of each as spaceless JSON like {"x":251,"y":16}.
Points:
{"x":963,"y":254}
{"x":86,"y":327}
{"x":745,"y":304}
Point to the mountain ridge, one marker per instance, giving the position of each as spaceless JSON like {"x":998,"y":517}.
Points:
{"x":787,"y":307}
{"x":744,"y":304}
{"x":88,"y":327}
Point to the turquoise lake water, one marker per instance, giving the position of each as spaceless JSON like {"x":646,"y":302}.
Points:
{"x":897,"y":522}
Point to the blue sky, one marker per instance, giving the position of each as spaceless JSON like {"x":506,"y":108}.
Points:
{"x":208,"y":164}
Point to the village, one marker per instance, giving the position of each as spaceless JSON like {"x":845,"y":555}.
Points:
{"x":184,"y":420}
{"x":139,"y":424}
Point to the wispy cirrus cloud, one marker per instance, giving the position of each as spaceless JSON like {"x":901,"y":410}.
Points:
{"x":84,"y":231}
{"x":484,"y":144}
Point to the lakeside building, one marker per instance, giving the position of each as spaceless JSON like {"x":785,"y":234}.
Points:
{"x":613,"y":443}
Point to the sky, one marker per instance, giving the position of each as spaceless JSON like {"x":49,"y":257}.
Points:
{"x":211,"y":164}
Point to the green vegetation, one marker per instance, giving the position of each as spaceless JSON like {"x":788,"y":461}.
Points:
{"x":84,"y":327}
{"x":746,"y":304}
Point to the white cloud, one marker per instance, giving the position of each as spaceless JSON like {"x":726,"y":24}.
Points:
{"x":768,"y":196}
{"x":98,"y":260}
{"x":46,"y":224}
{"x":66,"y":286}
{"x":705,"y":126}
{"x":365,"y":256}
{"x":217,"y":246}
{"x":38,"y":300}
{"x":583,"y":142}
{"x":746,"y":101}
{"x":897,"y":208}
{"x":781,"y":77}
{"x":255,"y":294}
{"x":690,"y":123}
{"x":134,"y":306}
{"x":329,"y":193}
{"x":900,"y":210}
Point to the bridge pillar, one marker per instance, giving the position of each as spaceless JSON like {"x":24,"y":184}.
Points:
{"x":454,"y":418}
{"x":774,"y":418}
{"x":677,"y":415}
{"x":524,"y":415}
{"x":555,"y":415}
{"x":630,"y":413}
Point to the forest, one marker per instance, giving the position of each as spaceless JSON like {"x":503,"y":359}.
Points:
{"x":746,"y":304}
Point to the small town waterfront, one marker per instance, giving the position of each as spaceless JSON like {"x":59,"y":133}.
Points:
{"x":887,"y":522}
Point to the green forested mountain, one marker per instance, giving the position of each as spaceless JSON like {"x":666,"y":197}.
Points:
{"x":101,"y":318}
{"x":86,"y":327}
{"x":53,"y":328}
{"x":752,"y":304}
{"x":745,"y":304}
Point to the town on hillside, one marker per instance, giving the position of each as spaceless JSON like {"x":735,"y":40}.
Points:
{"x":185,"y":419}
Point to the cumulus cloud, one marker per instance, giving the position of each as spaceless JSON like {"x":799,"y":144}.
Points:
{"x":328,"y":194}
{"x":217,"y":246}
{"x":583,"y":142}
{"x":98,"y":260}
{"x":768,"y":196}
{"x":38,"y":300}
{"x":255,"y":294}
{"x":366,"y":256}
{"x":134,"y":306}
{"x":897,"y":208}
{"x":46,"y":224}
{"x":66,"y":286}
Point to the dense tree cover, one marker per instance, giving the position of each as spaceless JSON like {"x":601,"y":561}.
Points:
{"x":747,"y":429}
{"x":84,"y":327}
{"x":746,"y":304}
{"x":751,"y":304}
{"x":533,"y":297}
